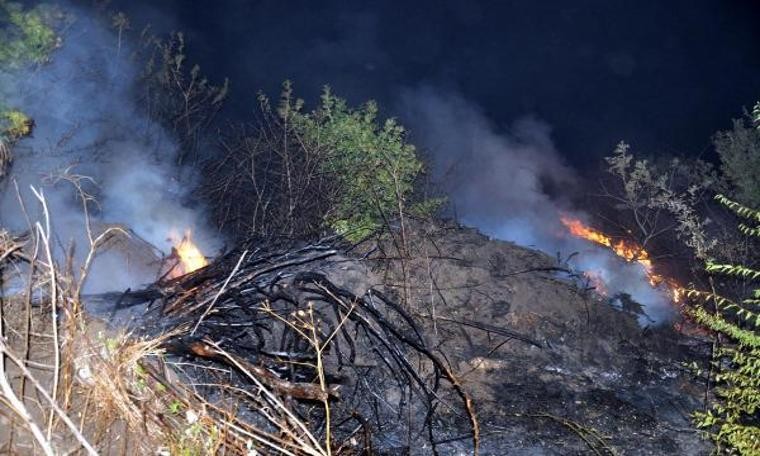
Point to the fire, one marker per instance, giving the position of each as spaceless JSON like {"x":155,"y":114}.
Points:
{"x":629,"y":251}
{"x":189,"y":256}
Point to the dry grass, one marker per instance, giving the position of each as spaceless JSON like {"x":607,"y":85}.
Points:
{"x":71,"y":385}
{"x":68,"y":385}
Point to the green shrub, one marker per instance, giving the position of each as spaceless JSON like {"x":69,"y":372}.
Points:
{"x":298,"y":173}
{"x":14,"y":124}
{"x":733,"y":421}
{"x":371,"y":161}
{"x":25,"y":36}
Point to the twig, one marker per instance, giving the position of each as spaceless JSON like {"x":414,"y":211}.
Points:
{"x":44,"y":234}
{"x":221,"y":291}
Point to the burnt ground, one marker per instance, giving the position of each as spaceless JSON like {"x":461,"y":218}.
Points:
{"x":596,"y":369}
{"x":552,"y":367}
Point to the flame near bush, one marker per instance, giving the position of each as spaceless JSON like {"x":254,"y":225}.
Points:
{"x":626,"y":250}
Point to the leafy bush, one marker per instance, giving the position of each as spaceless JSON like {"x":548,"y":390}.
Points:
{"x":297,"y":173}
{"x":25,"y":36}
{"x":14,"y":124}
{"x":734,"y":419}
{"x":372,"y":163}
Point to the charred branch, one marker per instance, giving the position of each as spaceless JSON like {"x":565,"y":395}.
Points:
{"x":279,"y":316}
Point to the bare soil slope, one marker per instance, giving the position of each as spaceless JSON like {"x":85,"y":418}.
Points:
{"x":596,"y":372}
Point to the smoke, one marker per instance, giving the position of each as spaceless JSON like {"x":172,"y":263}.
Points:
{"x":88,"y":121}
{"x":499,"y":182}
{"x":511,"y":183}
{"x":514,"y":185}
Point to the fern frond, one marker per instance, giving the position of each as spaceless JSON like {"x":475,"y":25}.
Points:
{"x":739,"y":209}
{"x":717,"y":323}
{"x":720,"y":301}
{"x":732,"y":417}
{"x":749,"y":231}
{"x":733,"y":270}
{"x":751,"y":302}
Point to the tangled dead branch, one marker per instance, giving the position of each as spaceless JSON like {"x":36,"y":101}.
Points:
{"x":273,"y":329}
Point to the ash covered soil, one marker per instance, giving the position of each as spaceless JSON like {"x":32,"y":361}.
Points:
{"x":552,"y":367}
{"x":595,"y":369}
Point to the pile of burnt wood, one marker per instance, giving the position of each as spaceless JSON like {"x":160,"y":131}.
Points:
{"x":303,"y":326}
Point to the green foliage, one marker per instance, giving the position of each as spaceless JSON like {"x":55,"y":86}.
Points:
{"x":739,"y":152}
{"x":14,"y":124}
{"x":25,"y":36}
{"x":374,"y":166}
{"x":298,"y":173}
{"x":175,"y":407}
{"x":734,"y":419}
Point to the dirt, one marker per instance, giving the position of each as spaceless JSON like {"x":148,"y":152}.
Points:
{"x":596,"y":370}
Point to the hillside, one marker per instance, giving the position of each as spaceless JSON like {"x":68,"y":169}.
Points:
{"x":324,"y":272}
{"x":552,"y":368}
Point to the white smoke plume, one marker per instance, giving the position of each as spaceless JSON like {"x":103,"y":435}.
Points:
{"x":87,"y":117}
{"x":513,"y":185}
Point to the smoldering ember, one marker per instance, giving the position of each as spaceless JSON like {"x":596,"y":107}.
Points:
{"x":334,"y":228}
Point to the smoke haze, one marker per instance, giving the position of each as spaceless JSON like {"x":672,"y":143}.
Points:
{"x":514,"y":185}
{"x":88,"y":121}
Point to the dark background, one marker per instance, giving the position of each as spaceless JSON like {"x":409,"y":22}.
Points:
{"x":663,"y":75}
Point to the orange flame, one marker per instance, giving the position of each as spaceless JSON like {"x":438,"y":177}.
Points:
{"x":188,"y":255}
{"x":629,"y":251}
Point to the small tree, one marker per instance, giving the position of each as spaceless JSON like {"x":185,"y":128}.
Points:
{"x":297,"y":173}
{"x":734,"y":417}
{"x":739,"y":152}
{"x":176,"y":94}
{"x":656,"y":201}
{"x":265,"y":182}
{"x":374,"y":166}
